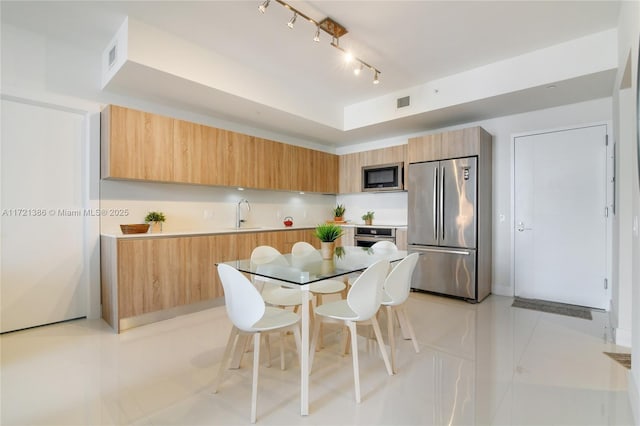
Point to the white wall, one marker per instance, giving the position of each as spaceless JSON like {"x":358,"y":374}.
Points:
{"x":628,"y":39}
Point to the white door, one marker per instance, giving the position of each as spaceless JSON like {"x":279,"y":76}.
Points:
{"x":43,"y":278}
{"x":560,"y":251}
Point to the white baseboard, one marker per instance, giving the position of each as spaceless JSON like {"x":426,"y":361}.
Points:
{"x":623,"y":337}
{"x":634,"y":397}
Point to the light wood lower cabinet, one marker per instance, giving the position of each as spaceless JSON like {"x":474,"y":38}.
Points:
{"x":146,"y":275}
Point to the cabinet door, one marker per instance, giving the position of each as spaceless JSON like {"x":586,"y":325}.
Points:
{"x":241,"y":158}
{"x":425,"y":148}
{"x":350,"y":173}
{"x":325,"y":169}
{"x":196,"y":157}
{"x":460,"y":143}
{"x":147,"y":275}
{"x":272,"y":171}
{"x":348,"y":236}
{"x":138,"y":145}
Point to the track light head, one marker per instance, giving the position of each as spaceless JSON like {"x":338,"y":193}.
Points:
{"x":316,"y":38}
{"x":263,"y":7}
{"x":292,"y":21}
{"x":376,"y":78}
{"x":358,"y":70}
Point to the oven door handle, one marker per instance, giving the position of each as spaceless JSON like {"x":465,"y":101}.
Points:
{"x":374,"y":239}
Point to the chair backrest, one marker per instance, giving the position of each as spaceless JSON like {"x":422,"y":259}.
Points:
{"x":244,"y":304}
{"x":385,"y":245}
{"x":303,"y":254}
{"x":365,"y":294}
{"x":266,"y":254}
{"x":398,"y":283}
{"x":301,"y":248}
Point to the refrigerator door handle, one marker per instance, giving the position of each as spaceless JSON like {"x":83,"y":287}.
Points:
{"x":435,"y":204}
{"x":437,"y":250}
{"x":442,"y":203}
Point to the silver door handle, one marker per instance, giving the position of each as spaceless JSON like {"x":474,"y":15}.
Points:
{"x":435,"y":212}
{"x":522,"y":228}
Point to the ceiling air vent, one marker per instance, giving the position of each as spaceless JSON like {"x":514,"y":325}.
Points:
{"x":112,"y":55}
{"x":403,"y":102}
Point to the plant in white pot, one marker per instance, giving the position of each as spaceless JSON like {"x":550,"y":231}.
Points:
{"x":156,"y":219}
{"x":327,"y":233}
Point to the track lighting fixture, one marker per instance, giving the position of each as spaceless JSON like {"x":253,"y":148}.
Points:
{"x":263,"y":7}
{"x":331,"y":27}
{"x":292,"y":21}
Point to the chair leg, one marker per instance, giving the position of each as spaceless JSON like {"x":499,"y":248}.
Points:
{"x":345,"y":340}
{"x":383,"y":351}
{"x":256,"y":366}
{"x":354,"y":356}
{"x":401,"y":312}
{"x":225,"y":358}
{"x":267,"y":345}
{"x":282,"y":336}
{"x":392,"y":338}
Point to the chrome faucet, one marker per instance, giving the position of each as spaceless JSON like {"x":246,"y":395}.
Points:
{"x":239,"y":220}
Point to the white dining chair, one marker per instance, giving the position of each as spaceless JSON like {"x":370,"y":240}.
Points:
{"x":304,"y":251}
{"x":320,"y":288}
{"x":250,"y":316}
{"x":384,"y":245}
{"x":272,"y":292}
{"x":396,"y":288}
{"x":360,"y":306}
{"x":380,"y":245}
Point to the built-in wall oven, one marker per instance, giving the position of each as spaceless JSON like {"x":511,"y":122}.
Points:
{"x":368,"y":236}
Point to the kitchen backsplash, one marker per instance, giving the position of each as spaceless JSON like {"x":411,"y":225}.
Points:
{"x":390,"y":208}
{"x":202,"y":208}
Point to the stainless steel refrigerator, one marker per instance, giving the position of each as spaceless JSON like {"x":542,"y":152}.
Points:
{"x":444,"y":228}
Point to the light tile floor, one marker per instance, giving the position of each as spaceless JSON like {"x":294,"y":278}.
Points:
{"x":478,"y":364}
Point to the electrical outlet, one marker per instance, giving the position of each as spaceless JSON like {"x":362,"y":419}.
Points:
{"x":207,"y":214}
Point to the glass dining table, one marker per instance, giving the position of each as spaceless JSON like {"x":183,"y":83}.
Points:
{"x":299,"y":271}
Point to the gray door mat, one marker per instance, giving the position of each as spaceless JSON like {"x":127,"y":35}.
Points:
{"x":553,"y":307}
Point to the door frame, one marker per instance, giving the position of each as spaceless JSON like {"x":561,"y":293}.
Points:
{"x":610,"y":191}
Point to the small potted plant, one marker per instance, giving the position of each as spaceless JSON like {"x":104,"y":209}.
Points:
{"x":368,"y":218}
{"x":155,"y":219}
{"x":327,"y":233}
{"x":338,"y":213}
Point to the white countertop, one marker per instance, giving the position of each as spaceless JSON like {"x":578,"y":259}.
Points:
{"x":188,"y":233}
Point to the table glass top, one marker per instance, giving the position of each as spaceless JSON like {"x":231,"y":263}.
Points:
{"x":310,"y":267}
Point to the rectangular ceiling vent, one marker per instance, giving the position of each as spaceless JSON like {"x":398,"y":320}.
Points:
{"x":403,"y":102}
{"x":112,"y":55}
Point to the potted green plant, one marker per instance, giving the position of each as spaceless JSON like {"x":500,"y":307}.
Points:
{"x":338,"y":213}
{"x":327,"y":233}
{"x":156,"y":219}
{"x":368,"y":218}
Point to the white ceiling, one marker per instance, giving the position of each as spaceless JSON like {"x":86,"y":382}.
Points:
{"x":411,"y":42}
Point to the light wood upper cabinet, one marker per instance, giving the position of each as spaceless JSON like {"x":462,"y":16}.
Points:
{"x":144,"y":146}
{"x":453,"y":144}
{"x":140,"y":145}
{"x":197,"y":155}
{"x":350,"y":165}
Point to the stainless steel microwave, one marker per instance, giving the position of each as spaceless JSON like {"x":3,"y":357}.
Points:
{"x":383,"y":177}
